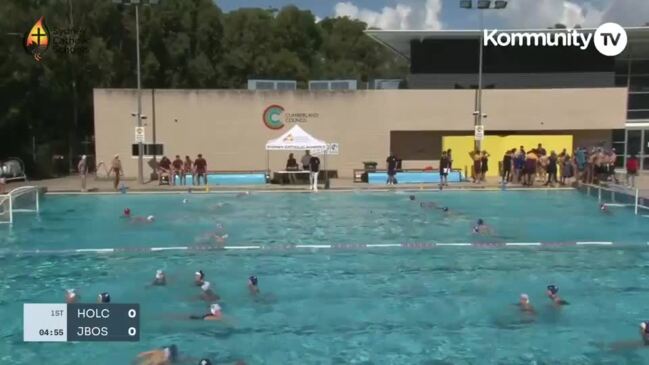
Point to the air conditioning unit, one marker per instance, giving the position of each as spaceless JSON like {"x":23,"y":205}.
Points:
{"x":333,"y":85}
{"x":272,"y":85}
{"x":386,"y":84}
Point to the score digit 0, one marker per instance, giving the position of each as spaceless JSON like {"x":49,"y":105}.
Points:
{"x":132,"y":313}
{"x":132,"y":331}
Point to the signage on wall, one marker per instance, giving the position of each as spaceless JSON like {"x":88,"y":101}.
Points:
{"x":479,"y":132}
{"x":139,"y":134}
{"x":275,"y":117}
{"x":333,"y":149}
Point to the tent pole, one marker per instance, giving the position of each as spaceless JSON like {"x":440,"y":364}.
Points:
{"x":326,"y":186}
{"x":268,"y":165}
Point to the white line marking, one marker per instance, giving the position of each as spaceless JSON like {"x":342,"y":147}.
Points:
{"x":383,"y":245}
{"x":595,"y":243}
{"x":313,"y":246}
{"x":95,"y":250}
{"x":523,"y":244}
{"x":617,"y":205}
{"x":169,"y":248}
{"x":453,"y":244}
{"x":242,"y":247}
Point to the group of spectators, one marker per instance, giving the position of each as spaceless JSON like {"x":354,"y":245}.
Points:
{"x":589,"y":166}
{"x":169,"y":170}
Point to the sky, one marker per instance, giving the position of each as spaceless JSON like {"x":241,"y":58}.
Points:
{"x":446,"y":14}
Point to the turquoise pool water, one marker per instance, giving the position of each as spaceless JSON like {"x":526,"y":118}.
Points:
{"x":451,"y":305}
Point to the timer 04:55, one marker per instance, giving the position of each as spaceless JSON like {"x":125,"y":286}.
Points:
{"x":54,"y":332}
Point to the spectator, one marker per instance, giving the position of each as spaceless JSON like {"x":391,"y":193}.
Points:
{"x":306,"y":159}
{"x":580,"y":161}
{"x":200,"y":169}
{"x":449,"y":155}
{"x":116,"y":168}
{"x":551,"y":169}
{"x":541,"y":151}
{"x":477,"y":165}
{"x":187,"y":169}
{"x":484,"y":165}
{"x":531,"y":160}
{"x":519,"y":165}
{"x":164,"y":169}
{"x":567,"y":169}
{"x":83,"y":171}
{"x":392,"y":169}
{"x":314,"y":166}
{"x":291,"y":165}
{"x":541,"y":165}
{"x":444,"y":169}
{"x":631,"y":170}
{"x":507,"y":166}
{"x":178,"y":170}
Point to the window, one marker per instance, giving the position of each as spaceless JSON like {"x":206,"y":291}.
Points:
{"x":637,"y":114}
{"x":149,"y":149}
{"x":638,"y":101}
{"x":634,"y":142}
{"x":639,"y":67}
{"x":639,"y":83}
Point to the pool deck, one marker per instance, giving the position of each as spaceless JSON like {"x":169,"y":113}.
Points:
{"x":71,"y":184}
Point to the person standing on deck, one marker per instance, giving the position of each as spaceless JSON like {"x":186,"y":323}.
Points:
{"x":306,"y":159}
{"x":631,"y":170}
{"x":444,"y":169}
{"x":314,"y":168}
{"x":551,"y":169}
{"x":477,"y":165}
{"x":116,"y":168}
{"x":392,"y":169}
{"x":200,"y":169}
{"x":83,"y":171}
{"x":484,"y":165}
{"x":507,"y":166}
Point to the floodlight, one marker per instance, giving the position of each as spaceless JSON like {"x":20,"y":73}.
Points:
{"x":466,"y":4}
{"x":484,"y":4}
{"x":500,"y":4}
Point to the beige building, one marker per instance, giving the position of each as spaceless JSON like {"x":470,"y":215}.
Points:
{"x":229,"y":126}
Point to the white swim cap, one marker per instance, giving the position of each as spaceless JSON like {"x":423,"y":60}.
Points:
{"x":643,"y":325}
{"x":184,"y":201}
{"x":215,"y":308}
{"x":205,"y":286}
{"x":159,"y":274}
{"x":525,"y":297}
{"x":71,"y":293}
{"x":150,"y":218}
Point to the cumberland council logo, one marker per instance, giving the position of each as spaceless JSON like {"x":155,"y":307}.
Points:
{"x":272,"y":117}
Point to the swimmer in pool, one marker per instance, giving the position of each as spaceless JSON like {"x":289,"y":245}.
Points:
{"x":207,"y":294}
{"x":253,"y":287}
{"x":428,"y":205}
{"x":103,"y":298}
{"x":481,"y":227}
{"x":604,"y":209}
{"x":199,"y":278}
{"x":644,"y":332}
{"x":214,"y":314}
{"x":127,"y":213}
{"x":245,"y":193}
{"x":552,"y":294}
{"x":164,"y":356}
{"x":412,"y":197}
{"x":525,"y":305}
{"x":149,"y":219}
{"x":160,"y":278}
{"x":71,"y":296}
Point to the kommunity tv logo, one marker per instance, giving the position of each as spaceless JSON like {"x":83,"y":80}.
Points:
{"x":610,"y":39}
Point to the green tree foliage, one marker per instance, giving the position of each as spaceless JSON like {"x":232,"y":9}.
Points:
{"x":184,"y":44}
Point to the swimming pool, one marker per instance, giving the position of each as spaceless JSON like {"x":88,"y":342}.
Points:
{"x":448,"y":305}
{"x":224,"y":178}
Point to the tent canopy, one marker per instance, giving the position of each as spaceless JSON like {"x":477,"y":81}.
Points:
{"x":295,"y":139}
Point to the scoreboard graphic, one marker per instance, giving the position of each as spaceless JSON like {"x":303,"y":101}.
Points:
{"x":81,"y":322}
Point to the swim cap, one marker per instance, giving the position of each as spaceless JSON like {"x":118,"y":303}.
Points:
{"x":205,"y":286}
{"x":525,"y":297}
{"x":127,"y":211}
{"x":150,"y":218}
{"x":644,"y":326}
{"x":215,"y":308}
{"x":184,"y":201}
{"x":253,"y":280}
{"x":200,"y":273}
{"x":205,"y":362}
{"x":553,"y":289}
{"x":480,"y":222}
{"x":445,"y":209}
{"x":104,"y":297}
{"x":71,"y":293}
{"x":171,"y":352}
{"x":159,"y":274}
{"x":412,"y":197}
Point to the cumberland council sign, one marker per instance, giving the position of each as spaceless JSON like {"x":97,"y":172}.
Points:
{"x":275,"y":117}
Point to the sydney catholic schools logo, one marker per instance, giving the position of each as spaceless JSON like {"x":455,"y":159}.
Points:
{"x":610,"y":39}
{"x":64,"y":40}
{"x":37,"y":40}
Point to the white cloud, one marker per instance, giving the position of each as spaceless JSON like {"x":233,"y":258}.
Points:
{"x":408,"y":14}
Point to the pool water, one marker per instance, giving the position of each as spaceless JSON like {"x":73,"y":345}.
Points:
{"x":449,"y":305}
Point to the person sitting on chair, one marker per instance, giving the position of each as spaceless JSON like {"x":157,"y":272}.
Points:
{"x":291,"y":165}
{"x":164,"y":170}
{"x":177,"y":170}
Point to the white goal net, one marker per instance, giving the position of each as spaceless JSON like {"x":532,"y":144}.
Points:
{"x":24,"y":199}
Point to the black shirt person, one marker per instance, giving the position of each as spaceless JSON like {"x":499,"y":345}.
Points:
{"x":314,"y":168}
{"x":392,"y":168}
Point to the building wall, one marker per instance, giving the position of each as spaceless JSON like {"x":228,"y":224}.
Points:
{"x":512,"y":80}
{"x":227,"y":127}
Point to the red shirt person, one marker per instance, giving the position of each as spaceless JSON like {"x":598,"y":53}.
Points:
{"x":200,"y":169}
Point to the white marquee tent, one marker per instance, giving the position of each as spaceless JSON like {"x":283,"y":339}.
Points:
{"x":297,"y":139}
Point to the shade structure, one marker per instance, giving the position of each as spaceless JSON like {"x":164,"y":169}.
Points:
{"x":296,"y":139}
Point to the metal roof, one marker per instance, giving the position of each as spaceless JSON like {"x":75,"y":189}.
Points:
{"x":399,"y":40}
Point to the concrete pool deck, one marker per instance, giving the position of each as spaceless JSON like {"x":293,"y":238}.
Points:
{"x":72,"y":184}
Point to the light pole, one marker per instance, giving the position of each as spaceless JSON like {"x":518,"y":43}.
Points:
{"x":477,"y":108}
{"x":140,"y":147}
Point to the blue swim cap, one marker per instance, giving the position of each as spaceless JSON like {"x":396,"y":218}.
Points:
{"x":480,"y":222}
{"x":412,"y":197}
{"x":253,"y":280}
{"x":553,"y":289}
{"x":445,"y":209}
{"x":104,"y":297}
